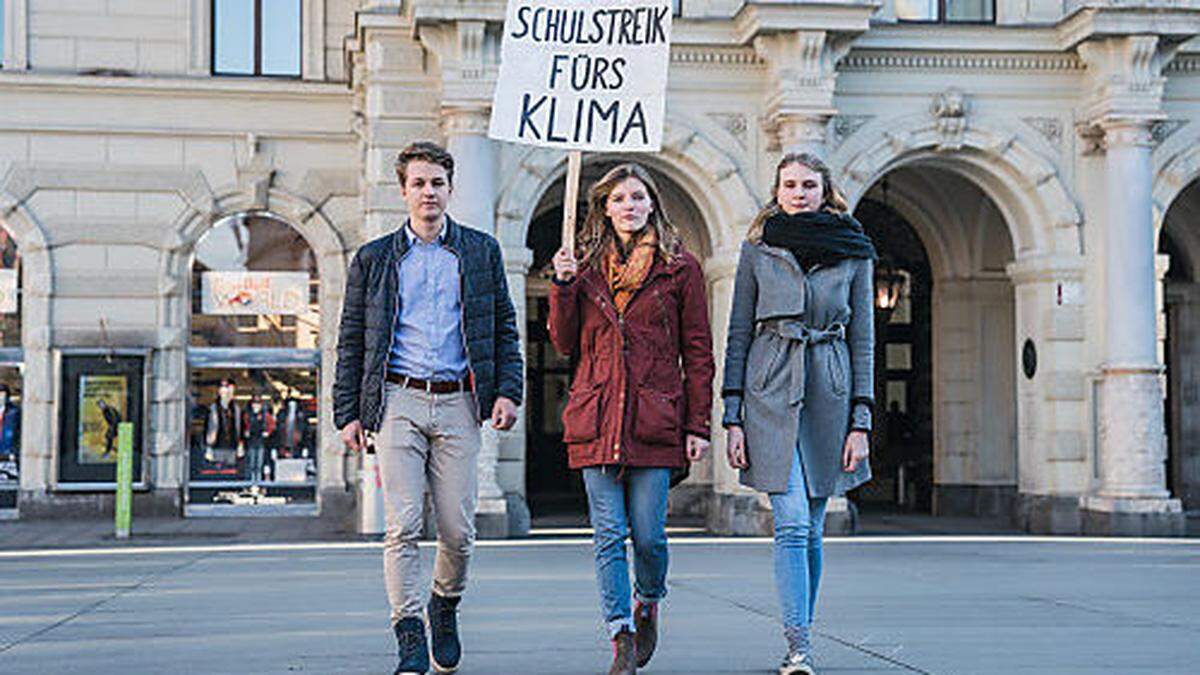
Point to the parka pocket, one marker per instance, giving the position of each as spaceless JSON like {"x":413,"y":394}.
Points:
{"x":657,"y":417}
{"x":581,"y":417}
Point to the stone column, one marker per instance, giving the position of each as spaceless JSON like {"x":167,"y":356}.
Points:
{"x":475,"y":165}
{"x":472,"y":203}
{"x":1130,"y":494}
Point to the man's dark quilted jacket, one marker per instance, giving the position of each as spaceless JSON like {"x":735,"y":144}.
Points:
{"x":369,"y":316}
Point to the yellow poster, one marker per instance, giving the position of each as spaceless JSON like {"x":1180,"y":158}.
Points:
{"x":103,"y":405}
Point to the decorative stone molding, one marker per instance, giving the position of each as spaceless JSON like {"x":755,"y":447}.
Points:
{"x":1124,"y":76}
{"x":734,"y":123}
{"x":844,"y":126}
{"x":689,"y":55}
{"x":949,"y":110}
{"x":468,"y":59}
{"x":869,"y":60}
{"x":1051,"y":128}
{"x":1161,"y":130}
{"x":1025,"y":185}
{"x":802,"y":70}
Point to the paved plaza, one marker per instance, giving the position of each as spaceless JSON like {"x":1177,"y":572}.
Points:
{"x":932,"y":604}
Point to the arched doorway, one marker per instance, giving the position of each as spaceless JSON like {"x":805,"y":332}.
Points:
{"x":1180,"y":242}
{"x":253,"y":364}
{"x":946,"y":413}
{"x":554,"y":493}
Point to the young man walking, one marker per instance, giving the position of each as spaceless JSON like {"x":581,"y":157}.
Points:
{"x":427,"y":349}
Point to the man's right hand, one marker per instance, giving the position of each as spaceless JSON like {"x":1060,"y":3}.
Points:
{"x":353,"y":436}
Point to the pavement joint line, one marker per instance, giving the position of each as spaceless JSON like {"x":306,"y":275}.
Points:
{"x":546,"y":542}
{"x":123,"y":590}
{"x":1124,"y":616}
{"x":772,"y":617}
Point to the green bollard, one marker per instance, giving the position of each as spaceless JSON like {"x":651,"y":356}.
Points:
{"x":124,"y":510}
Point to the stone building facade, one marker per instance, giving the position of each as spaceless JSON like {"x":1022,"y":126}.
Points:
{"x":1034,"y":171}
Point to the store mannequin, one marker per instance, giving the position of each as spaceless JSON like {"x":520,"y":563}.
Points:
{"x":223,"y":435}
{"x":258,"y":426}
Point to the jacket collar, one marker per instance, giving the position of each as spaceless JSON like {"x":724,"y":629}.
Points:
{"x":450,"y":237}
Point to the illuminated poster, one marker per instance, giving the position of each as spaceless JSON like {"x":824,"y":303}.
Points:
{"x":103,"y":405}
{"x":254,"y":293}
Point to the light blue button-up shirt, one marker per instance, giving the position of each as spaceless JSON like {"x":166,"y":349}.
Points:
{"x":428,"y":339}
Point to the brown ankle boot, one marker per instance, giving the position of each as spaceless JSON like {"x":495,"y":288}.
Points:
{"x":645,"y":621}
{"x":624,"y":655}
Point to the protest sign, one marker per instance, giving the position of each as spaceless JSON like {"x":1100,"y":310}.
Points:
{"x":583,"y":75}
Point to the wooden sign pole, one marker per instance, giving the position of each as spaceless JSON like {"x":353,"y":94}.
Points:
{"x":570,"y":199}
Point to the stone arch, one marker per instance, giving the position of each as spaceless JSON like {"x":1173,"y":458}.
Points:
{"x":38,"y":419}
{"x":689,"y":157}
{"x":1171,"y":178}
{"x":179,"y":244}
{"x":1026,"y":187}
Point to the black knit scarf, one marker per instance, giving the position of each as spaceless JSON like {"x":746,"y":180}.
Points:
{"x":818,"y":237}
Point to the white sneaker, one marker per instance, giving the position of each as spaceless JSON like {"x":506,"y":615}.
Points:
{"x":797,"y":664}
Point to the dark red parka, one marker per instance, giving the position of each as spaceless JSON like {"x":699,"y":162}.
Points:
{"x":644,"y":379}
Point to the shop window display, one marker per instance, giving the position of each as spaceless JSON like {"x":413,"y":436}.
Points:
{"x":253,"y":362}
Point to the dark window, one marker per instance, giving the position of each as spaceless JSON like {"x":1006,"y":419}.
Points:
{"x":946,"y":11}
{"x":256,"y":37}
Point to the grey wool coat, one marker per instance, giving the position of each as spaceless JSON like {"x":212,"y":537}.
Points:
{"x":799,"y":346}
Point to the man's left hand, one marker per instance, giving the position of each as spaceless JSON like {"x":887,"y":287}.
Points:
{"x":504,"y":414}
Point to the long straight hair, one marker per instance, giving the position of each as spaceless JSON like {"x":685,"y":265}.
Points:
{"x":597,"y":233}
{"x":831,"y":199}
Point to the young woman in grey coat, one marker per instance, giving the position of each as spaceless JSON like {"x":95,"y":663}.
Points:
{"x":799,"y":374}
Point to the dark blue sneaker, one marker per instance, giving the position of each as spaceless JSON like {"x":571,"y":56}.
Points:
{"x":443,"y":631}
{"x":412,"y":648}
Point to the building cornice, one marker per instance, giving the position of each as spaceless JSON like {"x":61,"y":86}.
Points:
{"x":204,"y":86}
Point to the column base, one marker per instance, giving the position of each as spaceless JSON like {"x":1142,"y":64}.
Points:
{"x":1048,"y":514}
{"x":739,"y":514}
{"x":690,"y":500}
{"x":747,"y":515}
{"x":1132,"y":517}
{"x":975,"y":501}
{"x":491,"y":518}
{"x":520,"y":520}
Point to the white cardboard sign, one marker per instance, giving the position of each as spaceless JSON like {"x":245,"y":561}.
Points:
{"x":583,"y":74}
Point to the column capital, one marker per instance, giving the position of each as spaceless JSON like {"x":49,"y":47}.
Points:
{"x":456,"y":120}
{"x":466,"y":52}
{"x":1124,"y":77}
{"x":802,"y":72}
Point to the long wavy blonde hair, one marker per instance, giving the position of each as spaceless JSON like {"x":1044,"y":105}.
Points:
{"x":831,"y":198}
{"x":597,"y":231}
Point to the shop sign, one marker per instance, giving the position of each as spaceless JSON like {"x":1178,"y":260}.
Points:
{"x":8,"y":291}
{"x":254,"y":292}
{"x":583,"y":74}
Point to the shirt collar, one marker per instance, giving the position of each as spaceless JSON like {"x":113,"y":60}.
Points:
{"x":413,"y":239}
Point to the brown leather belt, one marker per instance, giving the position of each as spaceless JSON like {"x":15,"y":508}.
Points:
{"x":427,"y":386}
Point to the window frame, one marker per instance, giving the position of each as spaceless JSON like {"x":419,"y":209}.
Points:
{"x":941,"y":20}
{"x":258,"y":28}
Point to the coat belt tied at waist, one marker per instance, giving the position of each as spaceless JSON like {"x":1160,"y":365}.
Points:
{"x":798,"y":337}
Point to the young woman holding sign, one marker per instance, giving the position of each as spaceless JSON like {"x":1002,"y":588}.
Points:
{"x":629,"y":304}
{"x":799,"y":374}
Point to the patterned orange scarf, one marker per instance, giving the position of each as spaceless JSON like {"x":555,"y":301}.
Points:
{"x":626,"y":277}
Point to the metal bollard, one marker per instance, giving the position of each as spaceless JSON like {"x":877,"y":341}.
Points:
{"x":371,"y":518}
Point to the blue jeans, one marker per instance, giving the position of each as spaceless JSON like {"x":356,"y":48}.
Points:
{"x":637,"y":501}
{"x":799,"y":523}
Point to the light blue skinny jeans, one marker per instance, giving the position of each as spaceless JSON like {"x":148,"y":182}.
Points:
{"x":799,"y":524}
{"x":637,"y":501}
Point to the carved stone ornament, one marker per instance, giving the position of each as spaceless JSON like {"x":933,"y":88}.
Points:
{"x":844,"y":126}
{"x":735,"y":123}
{"x":949,"y":109}
{"x":1164,"y":129}
{"x":1050,"y":128}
